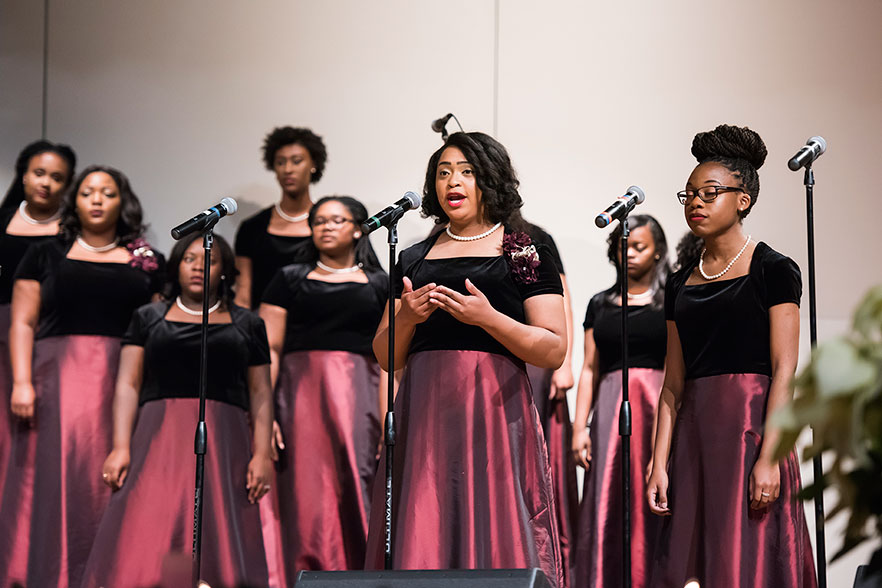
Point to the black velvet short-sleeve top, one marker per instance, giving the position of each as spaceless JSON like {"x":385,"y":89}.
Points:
{"x":491,"y":275}
{"x":12,"y":251}
{"x":724,"y":325}
{"x":647,"y":334}
{"x":85,"y":297}
{"x":172,"y":354}
{"x":268,"y":253}
{"x":328,"y":316}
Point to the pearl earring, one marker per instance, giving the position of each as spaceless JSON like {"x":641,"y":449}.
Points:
{"x":312,"y":171}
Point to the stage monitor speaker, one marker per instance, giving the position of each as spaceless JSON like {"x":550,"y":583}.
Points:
{"x":534,"y":578}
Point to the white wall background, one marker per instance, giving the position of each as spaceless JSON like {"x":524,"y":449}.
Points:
{"x":589,"y":97}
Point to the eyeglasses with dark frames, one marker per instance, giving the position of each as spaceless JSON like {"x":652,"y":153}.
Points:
{"x":333,"y":222}
{"x":706,"y":194}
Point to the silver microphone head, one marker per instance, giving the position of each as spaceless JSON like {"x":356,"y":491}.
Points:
{"x":820,"y":143}
{"x":231,"y":205}
{"x":638,"y":193}
{"x":414,"y":199}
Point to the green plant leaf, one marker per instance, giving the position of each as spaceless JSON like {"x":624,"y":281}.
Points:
{"x":840,"y":370}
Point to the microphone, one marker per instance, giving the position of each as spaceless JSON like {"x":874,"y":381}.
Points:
{"x":206,"y":218}
{"x":439,"y":123}
{"x":391,"y":214}
{"x":622,"y":206}
{"x":813,"y":149}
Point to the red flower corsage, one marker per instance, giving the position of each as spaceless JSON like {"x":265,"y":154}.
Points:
{"x":522,"y":257}
{"x":143,"y":257}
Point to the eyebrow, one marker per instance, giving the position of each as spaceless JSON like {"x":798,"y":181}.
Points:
{"x":457,"y":163}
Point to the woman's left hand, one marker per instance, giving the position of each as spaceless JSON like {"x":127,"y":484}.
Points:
{"x":473,"y":309}
{"x":765,"y":483}
{"x":258,"y":478}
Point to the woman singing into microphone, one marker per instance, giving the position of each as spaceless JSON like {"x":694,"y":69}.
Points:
{"x":732,"y":518}
{"x":472,"y":486}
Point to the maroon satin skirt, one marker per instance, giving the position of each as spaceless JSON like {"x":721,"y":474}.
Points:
{"x":328,"y":409}
{"x":472,"y":484}
{"x":150,"y":519}
{"x":600,"y":543}
{"x":557,"y":427}
{"x":6,"y":423}
{"x":712,"y":534}
{"x":53,"y":497}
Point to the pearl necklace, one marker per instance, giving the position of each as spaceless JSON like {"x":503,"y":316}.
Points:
{"x":33,"y":221}
{"x":727,"y":268}
{"x":288,"y":217}
{"x":647,"y":294}
{"x":456,"y":237}
{"x":211,"y":309}
{"x":343,"y":270}
{"x":102,"y":249}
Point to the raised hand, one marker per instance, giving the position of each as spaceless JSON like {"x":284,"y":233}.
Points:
{"x":471,"y":309}
{"x":416,"y":305}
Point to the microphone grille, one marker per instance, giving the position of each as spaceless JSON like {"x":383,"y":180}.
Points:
{"x":821,"y":143}
{"x":638,"y":192}
{"x":414,"y":199}
{"x":231,"y":205}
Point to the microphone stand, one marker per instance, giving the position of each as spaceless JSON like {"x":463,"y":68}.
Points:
{"x":625,"y":415}
{"x":818,"y":465}
{"x":389,"y":426}
{"x":201,"y":440}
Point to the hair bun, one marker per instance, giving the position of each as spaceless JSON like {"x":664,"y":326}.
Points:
{"x":730,"y":142}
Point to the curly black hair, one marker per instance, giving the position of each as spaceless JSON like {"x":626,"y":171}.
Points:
{"x":688,"y":249}
{"x":738,"y":149}
{"x":172,"y":288}
{"x":364,"y":251}
{"x":662,"y":267}
{"x":282,"y":136}
{"x":494,"y":175}
{"x":15,"y":194}
{"x":129,"y":226}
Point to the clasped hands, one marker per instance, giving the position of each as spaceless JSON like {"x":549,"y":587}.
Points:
{"x":471,"y":309}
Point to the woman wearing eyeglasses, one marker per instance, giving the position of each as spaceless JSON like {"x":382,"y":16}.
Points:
{"x":733,"y":332}
{"x":321,"y":317}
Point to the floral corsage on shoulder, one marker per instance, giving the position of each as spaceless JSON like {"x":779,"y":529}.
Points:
{"x":522,"y":256}
{"x":143,"y":256}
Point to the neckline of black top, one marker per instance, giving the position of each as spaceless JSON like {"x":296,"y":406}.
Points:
{"x":308,"y":279}
{"x":99,"y":262}
{"x":753,"y":260}
{"x":463,"y":257}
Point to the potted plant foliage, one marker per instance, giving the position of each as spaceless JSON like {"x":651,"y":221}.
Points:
{"x":839,"y":394}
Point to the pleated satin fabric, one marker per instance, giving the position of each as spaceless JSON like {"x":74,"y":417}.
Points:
{"x":472,"y":486}
{"x":328,"y":409}
{"x":54,"y":497}
{"x":6,"y":418}
{"x":713,"y":535}
{"x":599,"y":556}
{"x":557,"y":427}
{"x":151,"y":517}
